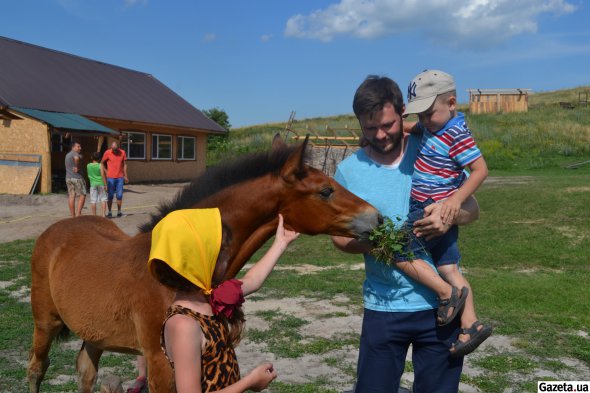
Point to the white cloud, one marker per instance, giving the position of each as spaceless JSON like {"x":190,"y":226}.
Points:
{"x":209,"y":37}
{"x":472,"y":23}
{"x":266,"y":37}
{"x":131,"y":3}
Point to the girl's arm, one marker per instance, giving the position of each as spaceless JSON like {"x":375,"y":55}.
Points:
{"x":258,"y":273}
{"x":183,"y":345}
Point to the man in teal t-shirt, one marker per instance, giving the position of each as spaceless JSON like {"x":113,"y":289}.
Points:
{"x":398,"y":311}
{"x":96,"y":176}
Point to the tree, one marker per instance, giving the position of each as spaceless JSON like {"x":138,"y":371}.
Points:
{"x":218,"y":142}
{"x":219,"y":116}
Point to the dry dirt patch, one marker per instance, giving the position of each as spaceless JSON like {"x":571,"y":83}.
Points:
{"x":27,"y":216}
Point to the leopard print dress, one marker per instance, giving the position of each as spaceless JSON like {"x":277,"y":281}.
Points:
{"x":219,"y":365}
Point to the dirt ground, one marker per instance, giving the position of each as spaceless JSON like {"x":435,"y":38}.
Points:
{"x":27,"y":216}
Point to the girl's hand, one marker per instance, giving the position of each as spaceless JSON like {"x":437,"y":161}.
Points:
{"x":262,"y":376}
{"x":284,"y":236}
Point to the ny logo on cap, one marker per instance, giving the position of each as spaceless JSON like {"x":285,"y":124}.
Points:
{"x":411,"y":90}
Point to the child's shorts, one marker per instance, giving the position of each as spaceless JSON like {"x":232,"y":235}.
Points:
{"x":443,"y":249}
{"x":98,"y":194}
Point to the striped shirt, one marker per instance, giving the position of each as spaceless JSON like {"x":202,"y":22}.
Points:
{"x":438,"y":171}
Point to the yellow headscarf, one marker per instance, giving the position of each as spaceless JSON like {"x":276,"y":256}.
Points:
{"x":189,"y":242}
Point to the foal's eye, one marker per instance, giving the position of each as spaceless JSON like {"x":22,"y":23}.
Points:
{"x":326,"y":192}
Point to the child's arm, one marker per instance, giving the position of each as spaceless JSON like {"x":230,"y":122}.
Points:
{"x":183,"y":342}
{"x":103,"y":174}
{"x":183,"y":346}
{"x":451,"y":206}
{"x":253,"y":280}
{"x":411,"y":127}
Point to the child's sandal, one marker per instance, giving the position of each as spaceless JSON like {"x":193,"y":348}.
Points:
{"x":476,"y":337}
{"x":456,"y":302}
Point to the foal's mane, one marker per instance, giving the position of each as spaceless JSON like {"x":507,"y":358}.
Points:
{"x":217,"y":178}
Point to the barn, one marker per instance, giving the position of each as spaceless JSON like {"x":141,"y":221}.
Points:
{"x":49,"y":98}
{"x":498,"y":100}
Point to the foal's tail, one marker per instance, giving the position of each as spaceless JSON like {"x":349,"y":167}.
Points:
{"x":63,"y":334}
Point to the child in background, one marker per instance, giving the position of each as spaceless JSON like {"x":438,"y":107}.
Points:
{"x":203,"y":324}
{"x":97,"y":179}
{"x":447,"y":147}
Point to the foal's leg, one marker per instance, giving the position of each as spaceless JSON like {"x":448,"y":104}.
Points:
{"x":160,"y":373}
{"x":87,"y":366}
{"x":45,"y":331}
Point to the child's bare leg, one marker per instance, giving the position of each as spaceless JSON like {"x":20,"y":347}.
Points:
{"x":104,"y":208}
{"x":422,"y":272}
{"x":93,"y":208}
{"x":452,"y":274}
{"x":454,"y":277}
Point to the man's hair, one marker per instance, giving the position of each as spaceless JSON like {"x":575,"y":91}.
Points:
{"x":74,"y":143}
{"x":374,"y":93}
{"x":96,"y":156}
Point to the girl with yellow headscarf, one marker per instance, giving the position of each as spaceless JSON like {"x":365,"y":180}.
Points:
{"x":195,"y":335}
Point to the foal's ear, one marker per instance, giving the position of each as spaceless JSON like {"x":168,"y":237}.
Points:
{"x":277,"y":142}
{"x":294,"y":169}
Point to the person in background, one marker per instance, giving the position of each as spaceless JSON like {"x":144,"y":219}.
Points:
{"x":97,"y":179}
{"x":115,"y":161}
{"x":74,"y":179}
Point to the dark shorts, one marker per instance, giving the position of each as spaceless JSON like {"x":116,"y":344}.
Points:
{"x":385,"y":339}
{"x":443,"y":249}
{"x":115,"y":185}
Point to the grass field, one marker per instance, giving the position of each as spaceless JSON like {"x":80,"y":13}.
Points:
{"x":547,"y":136}
{"x":526,"y":258}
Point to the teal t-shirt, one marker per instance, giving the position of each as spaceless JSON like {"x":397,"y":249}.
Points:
{"x":93,"y":170}
{"x":387,"y":187}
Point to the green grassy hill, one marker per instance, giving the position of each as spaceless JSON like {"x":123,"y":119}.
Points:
{"x":544,"y":137}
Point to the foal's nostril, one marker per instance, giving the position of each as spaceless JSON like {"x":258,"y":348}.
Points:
{"x":379,"y":218}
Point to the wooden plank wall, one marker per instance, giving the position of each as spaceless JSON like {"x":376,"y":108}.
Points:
{"x":494,"y":103}
{"x":28,"y":136}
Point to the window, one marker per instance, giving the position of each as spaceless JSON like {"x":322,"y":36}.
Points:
{"x":134,"y":145}
{"x":185,"y":148}
{"x":161,"y":147}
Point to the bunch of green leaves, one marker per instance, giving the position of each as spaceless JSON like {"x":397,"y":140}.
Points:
{"x":390,"y":241}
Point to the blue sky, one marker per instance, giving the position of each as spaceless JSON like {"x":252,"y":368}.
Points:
{"x":260,"y":59}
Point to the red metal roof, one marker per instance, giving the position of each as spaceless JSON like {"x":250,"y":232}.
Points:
{"x":39,"y":78}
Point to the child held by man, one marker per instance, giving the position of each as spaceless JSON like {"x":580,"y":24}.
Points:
{"x":447,"y":147}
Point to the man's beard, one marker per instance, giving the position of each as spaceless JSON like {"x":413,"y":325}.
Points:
{"x":394,"y":142}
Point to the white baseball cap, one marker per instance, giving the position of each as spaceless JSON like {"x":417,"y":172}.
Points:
{"x":425,"y":87}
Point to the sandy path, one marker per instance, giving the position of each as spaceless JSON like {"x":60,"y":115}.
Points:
{"x":27,"y":216}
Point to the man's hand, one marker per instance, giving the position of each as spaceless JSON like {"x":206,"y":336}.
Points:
{"x":126,"y":179}
{"x":432,"y":224}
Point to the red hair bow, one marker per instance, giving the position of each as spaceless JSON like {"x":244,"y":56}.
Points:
{"x":227,"y":297}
